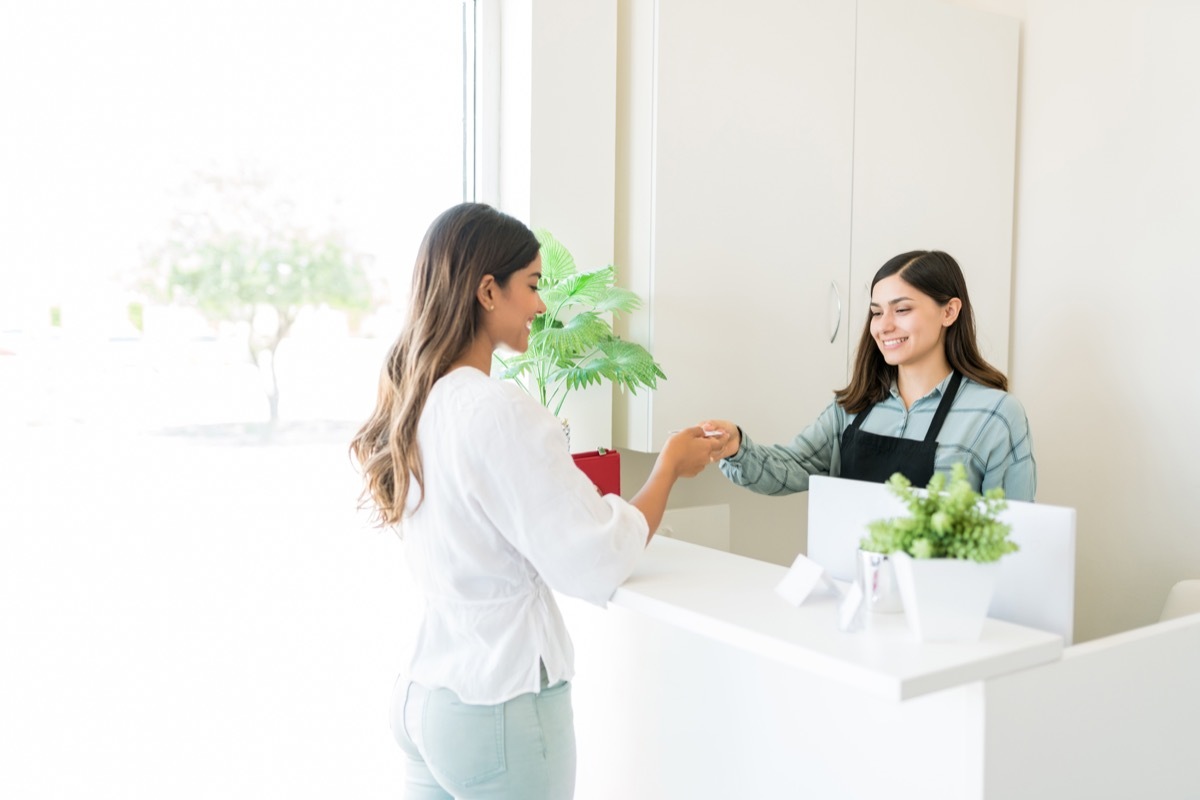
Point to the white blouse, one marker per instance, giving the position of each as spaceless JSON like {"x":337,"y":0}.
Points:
{"x":506,"y":517}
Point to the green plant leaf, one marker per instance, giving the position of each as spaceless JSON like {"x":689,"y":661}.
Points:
{"x":618,"y":299}
{"x":572,"y":345}
{"x":629,"y":365}
{"x":580,"y":376}
{"x":516,"y":366}
{"x":949,"y":520}
{"x":586,"y":288}
{"x":557,"y":262}
{"x":576,"y":337}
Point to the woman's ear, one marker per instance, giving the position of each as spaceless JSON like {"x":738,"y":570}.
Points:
{"x":486,"y":293}
{"x":950,"y":311}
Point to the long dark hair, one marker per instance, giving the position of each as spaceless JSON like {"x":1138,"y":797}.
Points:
{"x":463,"y":244}
{"x":938,"y":275}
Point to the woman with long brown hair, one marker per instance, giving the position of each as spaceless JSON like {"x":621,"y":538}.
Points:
{"x":921,"y":399}
{"x":476,"y":477}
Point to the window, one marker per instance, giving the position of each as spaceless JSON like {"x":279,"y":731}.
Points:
{"x":198,"y":608}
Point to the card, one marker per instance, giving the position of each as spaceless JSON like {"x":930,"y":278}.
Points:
{"x":804,"y":577}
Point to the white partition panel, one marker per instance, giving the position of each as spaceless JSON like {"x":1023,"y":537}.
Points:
{"x":1036,"y":586}
{"x":1115,"y":718}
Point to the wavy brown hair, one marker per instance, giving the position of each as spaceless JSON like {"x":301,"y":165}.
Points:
{"x":464,"y":244}
{"x":938,"y":275}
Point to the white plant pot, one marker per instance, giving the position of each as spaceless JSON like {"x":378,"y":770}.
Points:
{"x":945,"y":599}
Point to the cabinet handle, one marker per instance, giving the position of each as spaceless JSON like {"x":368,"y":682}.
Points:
{"x":837,"y":325}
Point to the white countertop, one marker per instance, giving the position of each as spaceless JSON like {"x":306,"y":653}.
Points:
{"x":732,"y":599}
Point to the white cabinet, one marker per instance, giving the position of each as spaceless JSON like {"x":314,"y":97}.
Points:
{"x":935,"y":127}
{"x":735,"y":128}
{"x":769,"y":154}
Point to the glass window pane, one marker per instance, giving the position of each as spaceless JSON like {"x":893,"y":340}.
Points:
{"x":208,"y":218}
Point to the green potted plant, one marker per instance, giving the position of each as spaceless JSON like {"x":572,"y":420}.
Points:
{"x":946,"y":553}
{"x":572,"y":345}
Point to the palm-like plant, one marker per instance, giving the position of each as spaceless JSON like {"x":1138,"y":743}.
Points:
{"x":575,"y":350}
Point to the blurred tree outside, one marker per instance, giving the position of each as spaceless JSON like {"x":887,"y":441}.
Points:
{"x":238,"y":251}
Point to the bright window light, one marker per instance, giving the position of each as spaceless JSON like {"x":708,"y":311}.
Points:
{"x":202,"y":204}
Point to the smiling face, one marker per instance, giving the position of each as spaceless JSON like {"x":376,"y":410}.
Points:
{"x":908,"y":326}
{"x":509,"y":310}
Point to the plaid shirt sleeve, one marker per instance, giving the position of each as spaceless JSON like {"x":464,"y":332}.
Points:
{"x":785,"y":468}
{"x":1011,"y":465}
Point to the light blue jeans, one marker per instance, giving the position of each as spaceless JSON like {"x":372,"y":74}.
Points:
{"x":520,"y":750}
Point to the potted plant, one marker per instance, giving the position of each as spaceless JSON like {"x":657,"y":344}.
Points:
{"x":946,"y":553}
{"x":572,"y":346}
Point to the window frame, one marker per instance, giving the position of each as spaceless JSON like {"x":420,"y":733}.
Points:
{"x":481,"y":101}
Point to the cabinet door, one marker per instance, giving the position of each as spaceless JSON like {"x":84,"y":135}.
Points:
{"x":935,"y":149}
{"x":734,"y":176}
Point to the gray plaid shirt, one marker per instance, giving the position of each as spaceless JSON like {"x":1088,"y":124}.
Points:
{"x":986,"y":429}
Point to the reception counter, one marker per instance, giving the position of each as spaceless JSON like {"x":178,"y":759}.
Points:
{"x":731,"y":600}
{"x":698,"y":681}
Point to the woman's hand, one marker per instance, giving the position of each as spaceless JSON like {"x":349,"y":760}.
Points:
{"x":687,"y":452}
{"x":730,"y":439}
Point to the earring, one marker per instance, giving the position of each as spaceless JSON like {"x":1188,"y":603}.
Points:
{"x":491,"y":308}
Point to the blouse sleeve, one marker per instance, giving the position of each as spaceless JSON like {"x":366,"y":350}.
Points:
{"x":580,"y":543}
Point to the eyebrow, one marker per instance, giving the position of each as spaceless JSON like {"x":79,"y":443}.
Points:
{"x":892,"y":302}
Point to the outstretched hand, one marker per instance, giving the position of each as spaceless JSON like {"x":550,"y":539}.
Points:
{"x":685,"y":454}
{"x":730,"y":439}
{"x":689,"y":451}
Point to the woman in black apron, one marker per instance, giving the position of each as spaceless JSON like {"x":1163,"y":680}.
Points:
{"x":917,"y":360}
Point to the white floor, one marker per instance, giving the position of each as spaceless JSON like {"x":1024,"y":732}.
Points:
{"x":192,"y":616}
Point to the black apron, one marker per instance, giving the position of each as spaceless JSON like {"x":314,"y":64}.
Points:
{"x":871,"y":457}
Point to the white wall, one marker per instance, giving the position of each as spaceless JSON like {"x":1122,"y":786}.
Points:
{"x":557,"y":147}
{"x":1108,"y":201}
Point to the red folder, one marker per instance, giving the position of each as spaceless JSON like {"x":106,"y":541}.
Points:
{"x":603,"y":467}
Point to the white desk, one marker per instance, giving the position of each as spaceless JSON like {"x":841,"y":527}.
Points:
{"x":731,"y":599}
{"x":699,"y":681}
